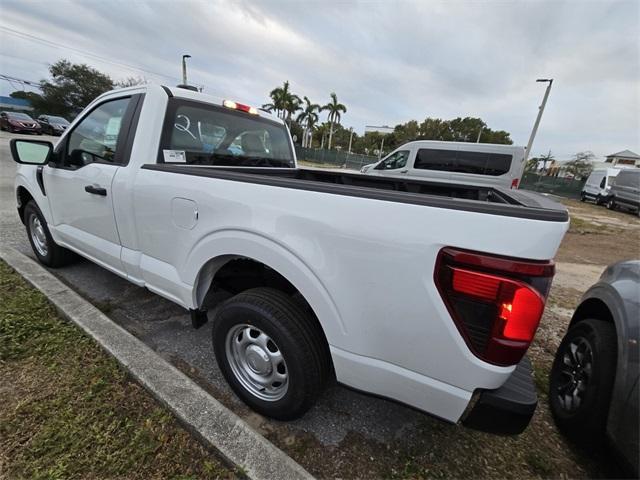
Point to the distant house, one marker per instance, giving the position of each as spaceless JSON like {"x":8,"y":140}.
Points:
{"x":625,"y":158}
{"x":15,"y":104}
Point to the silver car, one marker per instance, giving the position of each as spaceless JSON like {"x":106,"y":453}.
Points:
{"x":593,"y":386}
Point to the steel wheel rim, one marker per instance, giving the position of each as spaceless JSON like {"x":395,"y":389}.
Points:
{"x":257,"y":362}
{"x":575,"y":374}
{"x":38,"y":237}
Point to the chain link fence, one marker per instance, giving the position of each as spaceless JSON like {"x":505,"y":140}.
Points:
{"x":564,"y":187}
{"x":333,"y":158}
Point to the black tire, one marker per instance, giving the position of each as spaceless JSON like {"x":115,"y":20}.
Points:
{"x":583,"y":197}
{"x":55,"y":255}
{"x":294,"y":333}
{"x":598,"y":200}
{"x":611,"y":203}
{"x":583,"y":417}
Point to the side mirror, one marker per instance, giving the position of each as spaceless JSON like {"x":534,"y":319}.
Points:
{"x":31,"y":152}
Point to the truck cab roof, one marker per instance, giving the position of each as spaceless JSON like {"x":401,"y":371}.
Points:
{"x":186,"y":94}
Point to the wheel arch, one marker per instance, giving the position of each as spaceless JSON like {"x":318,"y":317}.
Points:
{"x":26,"y":189}
{"x":264,"y":253}
{"x":603,"y":302}
{"x":23,"y":196}
{"x":592,"y":308}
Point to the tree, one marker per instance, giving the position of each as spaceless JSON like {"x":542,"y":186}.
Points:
{"x":73,"y":87}
{"x":131,"y":82}
{"x":532,"y":164}
{"x":308,"y":118}
{"x":283,"y":102}
{"x":35,"y":99}
{"x":335,"y":109}
{"x":581,"y":165}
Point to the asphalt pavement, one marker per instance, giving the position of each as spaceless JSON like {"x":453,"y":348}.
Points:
{"x":166,"y":328}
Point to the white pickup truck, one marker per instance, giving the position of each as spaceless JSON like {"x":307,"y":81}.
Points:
{"x":425,"y":293}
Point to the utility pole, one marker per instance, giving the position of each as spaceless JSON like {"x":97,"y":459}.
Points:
{"x":184,"y":69}
{"x":549,"y":81}
{"x":350,"y":139}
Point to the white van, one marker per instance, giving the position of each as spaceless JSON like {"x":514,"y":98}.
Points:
{"x":598,"y":185}
{"x":454,"y":162}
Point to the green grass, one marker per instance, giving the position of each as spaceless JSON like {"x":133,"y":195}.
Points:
{"x":69,"y":411}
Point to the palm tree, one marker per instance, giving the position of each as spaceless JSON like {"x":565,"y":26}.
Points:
{"x":334,"y":108}
{"x":283,"y":102}
{"x":291,"y":106}
{"x":308,"y":118}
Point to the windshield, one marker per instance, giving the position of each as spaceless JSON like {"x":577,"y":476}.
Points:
{"x":204,"y":134}
{"x":19,"y":116}
{"x":60,"y":120}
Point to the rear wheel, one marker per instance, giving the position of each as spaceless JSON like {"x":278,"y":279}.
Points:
{"x":45,"y":249}
{"x":581,"y":380}
{"x":272,"y":352}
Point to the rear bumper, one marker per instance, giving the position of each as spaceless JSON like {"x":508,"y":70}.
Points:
{"x":508,"y":409}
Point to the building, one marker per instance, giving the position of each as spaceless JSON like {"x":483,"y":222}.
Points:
{"x":15,"y":104}
{"x":625,"y":158}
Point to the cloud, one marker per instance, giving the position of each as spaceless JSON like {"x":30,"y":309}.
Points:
{"x":389,"y":62}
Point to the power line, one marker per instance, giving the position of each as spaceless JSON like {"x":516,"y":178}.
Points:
{"x":35,"y":38}
{"x":21,"y":80}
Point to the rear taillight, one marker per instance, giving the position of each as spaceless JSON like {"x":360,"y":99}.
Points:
{"x":514,"y":183}
{"x":495,"y":302}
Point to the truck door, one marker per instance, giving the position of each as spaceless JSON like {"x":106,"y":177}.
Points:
{"x":78,"y":183}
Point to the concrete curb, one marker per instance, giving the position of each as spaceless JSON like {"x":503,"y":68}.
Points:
{"x":203,"y":415}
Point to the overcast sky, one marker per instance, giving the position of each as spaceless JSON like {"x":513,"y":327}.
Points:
{"x":389,"y":62}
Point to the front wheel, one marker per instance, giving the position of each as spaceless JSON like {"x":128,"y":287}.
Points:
{"x":581,"y":380}
{"x":611,"y":204}
{"x":47,"y":251}
{"x":271,"y":352}
{"x":583,"y":197}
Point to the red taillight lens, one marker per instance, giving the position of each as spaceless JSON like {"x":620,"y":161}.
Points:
{"x":495,"y":302}
{"x":514,"y":183}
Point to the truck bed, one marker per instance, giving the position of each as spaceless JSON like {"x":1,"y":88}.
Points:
{"x":481,"y":199}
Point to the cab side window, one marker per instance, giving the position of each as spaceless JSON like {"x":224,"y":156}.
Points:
{"x":95,"y":138}
{"x":394,"y":161}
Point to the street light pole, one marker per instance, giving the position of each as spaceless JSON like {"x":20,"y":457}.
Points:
{"x":549,"y":81}
{"x":350,"y":139}
{"x":184,"y":68}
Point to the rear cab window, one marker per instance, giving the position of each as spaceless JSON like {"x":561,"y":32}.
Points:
{"x":198,"y":133}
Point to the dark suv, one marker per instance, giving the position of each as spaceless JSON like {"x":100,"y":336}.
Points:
{"x":625,"y":191}
{"x":593,"y":386}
